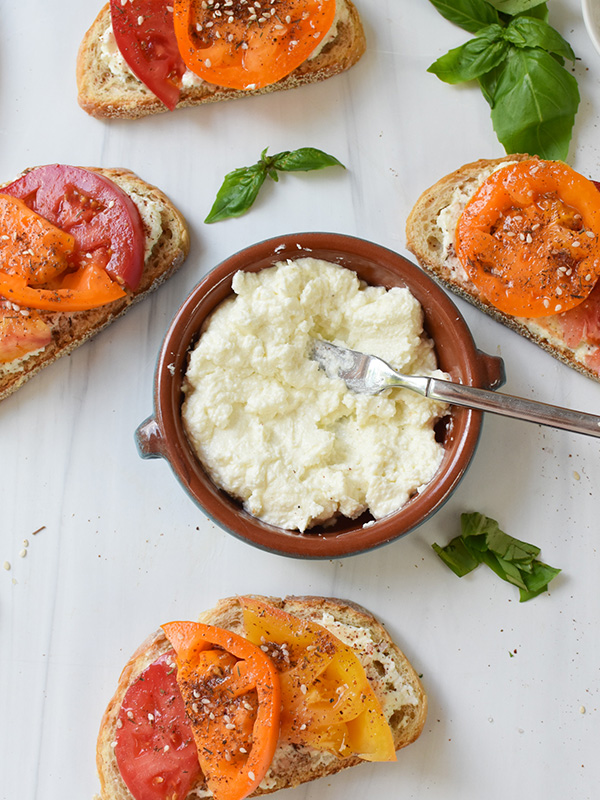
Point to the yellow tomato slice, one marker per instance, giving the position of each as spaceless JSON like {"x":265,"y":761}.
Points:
{"x":327,"y":700}
{"x":248,"y":44}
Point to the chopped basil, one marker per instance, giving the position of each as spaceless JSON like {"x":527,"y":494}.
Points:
{"x":518,"y":60}
{"x":482,"y":542}
{"x":240,"y":187}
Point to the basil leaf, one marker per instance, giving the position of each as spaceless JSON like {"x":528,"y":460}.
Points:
{"x":528,"y":32}
{"x":304,"y":160}
{"x":482,"y":541}
{"x":457,"y":556}
{"x":237,"y":193}
{"x":471,"y":15}
{"x":538,"y":581}
{"x":513,"y":7}
{"x":472,"y":59}
{"x":534,"y":104}
{"x":539,"y":12}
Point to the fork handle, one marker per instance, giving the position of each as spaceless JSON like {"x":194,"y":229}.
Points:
{"x":517,"y":407}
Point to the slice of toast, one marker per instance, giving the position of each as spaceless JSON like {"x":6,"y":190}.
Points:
{"x":167,"y":232}
{"x":394,"y":681}
{"x":565,"y":336}
{"x":105,"y":93}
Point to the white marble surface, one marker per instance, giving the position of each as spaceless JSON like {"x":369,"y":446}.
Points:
{"x":123,"y":549}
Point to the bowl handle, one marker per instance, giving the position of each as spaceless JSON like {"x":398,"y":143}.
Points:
{"x":492,"y":367}
{"x":149,"y":439}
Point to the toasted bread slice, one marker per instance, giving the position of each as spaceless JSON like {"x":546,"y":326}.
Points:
{"x":165,"y":227}
{"x":565,"y":336}
{"x":105,"y":93}
{"x":394,"y":681}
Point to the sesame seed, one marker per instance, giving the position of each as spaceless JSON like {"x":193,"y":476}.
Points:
{"x":170,"y":9}
{"x":196,"y":693}
{"x":150,"y":717}
{"x":529,"y":238}
{"x":558,"y":291}
{"x":130,"y":715}
{"x":303,"y":726}
{"x":264,"y":648}
{"x":140,"y":20}
{"x":166,"y":748}
{"x":211,"y":715}
{"x":230,"y":20}
{"x":247,"y":706}
{"x":252,"y":776}
{"x":227,"y":755}
{"x":113,"y":744}
{"x":591,"y":234}
{"x":195,"y":708}
{"x":244,"y":45}
{"x":303,"y":688}
{"x":288,"y":19}
{"x":576,"y":244}
{"x":522,"y":237}
{"x":198,"y":27}
{"x":6,"y":565}
{"x":119,"y":723}
{"x":557,"y":307}
{"x":243,"y":750}
{"x":205,"y":700}
{"x":546,"y":302}
{"x":230,"y":726}
{"x":23,"y":553}
{"x":25,"y":542}
{"x":588,"y":277}
{"x":535,"y":226}
{"x":207,"y":62}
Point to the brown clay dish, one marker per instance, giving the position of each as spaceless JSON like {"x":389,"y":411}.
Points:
{"x":163,"y":435}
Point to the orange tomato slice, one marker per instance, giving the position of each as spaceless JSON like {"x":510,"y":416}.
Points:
{"x":327,"y":700}
{"x":530,"y":238}
{"x":20,"y":335}
{"x":248,"y":44}
{"x":30,"y":246}
{"x":99,"y":291}
{"x":232,"y":699}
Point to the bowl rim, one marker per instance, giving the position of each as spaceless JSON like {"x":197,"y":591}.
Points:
{"x":591,"y":19}
{"x":224,"y":510}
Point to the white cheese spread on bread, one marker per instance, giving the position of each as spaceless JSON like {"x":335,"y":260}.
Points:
{"x":272,"y":429}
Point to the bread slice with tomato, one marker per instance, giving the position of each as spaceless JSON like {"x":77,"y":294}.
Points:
{"x":145,"y":57}
{"x":78,"y":247}
{"x":519,"y":238}
{"x":262,"y":694}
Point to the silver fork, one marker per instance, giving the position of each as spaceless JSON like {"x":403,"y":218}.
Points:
{"x":365,"y":374}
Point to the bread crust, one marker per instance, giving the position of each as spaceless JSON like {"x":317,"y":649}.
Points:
{"x":105,"y":96}
{"x":72,"y":329}
{"x":305,"y":764}
{"x":424,"y":240}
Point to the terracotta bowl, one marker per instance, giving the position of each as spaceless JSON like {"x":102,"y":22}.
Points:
{"x":162,"y":435}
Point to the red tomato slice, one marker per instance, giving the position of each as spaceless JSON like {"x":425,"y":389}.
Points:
{"x":232,"y":698}
{"x":241,"y":44}
{"x":146,"y":39}
{"x":530,"y":238}
{"x":155,"y":747}
{"x":101,"y":217}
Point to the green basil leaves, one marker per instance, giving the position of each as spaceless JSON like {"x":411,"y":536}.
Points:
{"x":241,"y":187}
{"x":518,"y":60}
{"x":482,"y":542}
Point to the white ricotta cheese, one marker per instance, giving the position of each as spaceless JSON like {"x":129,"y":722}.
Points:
{"x":297,"y":447}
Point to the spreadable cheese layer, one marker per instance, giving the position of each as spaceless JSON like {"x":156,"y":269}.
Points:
{"x":272,"y":429}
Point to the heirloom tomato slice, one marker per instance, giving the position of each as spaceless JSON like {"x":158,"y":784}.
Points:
{"x":154,"y":745}
{"x":20,"y":335}
{"x":145,"y":36}
{"x":102,"y":219}
{"x":248,"y":45}
{"x":327,"y":701}
{"x":530,"y":238}
{"x":232,"y":698}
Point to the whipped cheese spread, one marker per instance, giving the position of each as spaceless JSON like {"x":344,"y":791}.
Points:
{"x":111,"y":57}
{"x":272,"y":429}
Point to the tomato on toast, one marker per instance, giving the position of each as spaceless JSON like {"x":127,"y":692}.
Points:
{"x":248,"y":45}
{"x":145,"y":36}
{"x":154,"y":744}
{"x":530,"y":238}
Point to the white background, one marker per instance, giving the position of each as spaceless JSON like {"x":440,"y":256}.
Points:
{"x":123,"y":549}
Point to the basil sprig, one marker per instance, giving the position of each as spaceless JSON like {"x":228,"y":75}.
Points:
{"x":518,"y":60}
{"x":241,"y":187}
{"x":482,"y":542}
